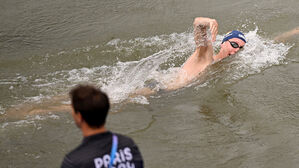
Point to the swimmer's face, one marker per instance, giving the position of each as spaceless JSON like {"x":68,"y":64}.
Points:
{"x":232,"y":46}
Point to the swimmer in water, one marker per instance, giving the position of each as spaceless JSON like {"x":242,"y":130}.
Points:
{"x":203,"y":55}
{"x":205,"y":31}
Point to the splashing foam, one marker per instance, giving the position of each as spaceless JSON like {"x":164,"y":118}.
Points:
{"x":126,"y":77}
{"x":2,"y":110}
{"x":30,"y":120}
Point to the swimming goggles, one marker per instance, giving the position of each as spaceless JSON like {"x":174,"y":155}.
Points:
{"x":235,"y":45}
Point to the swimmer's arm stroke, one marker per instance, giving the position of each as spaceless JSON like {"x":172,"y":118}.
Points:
{"x":284,"y":36}
{"x":203,"y":54}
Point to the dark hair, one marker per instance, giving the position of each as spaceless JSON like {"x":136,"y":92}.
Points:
{"x":92,"y":103}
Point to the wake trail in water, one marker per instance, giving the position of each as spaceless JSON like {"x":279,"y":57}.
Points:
{"x":167,"y":54}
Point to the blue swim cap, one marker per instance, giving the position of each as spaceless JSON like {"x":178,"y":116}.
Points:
{"x":234,"y":34}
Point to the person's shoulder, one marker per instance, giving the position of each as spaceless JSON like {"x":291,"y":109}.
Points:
{"x":68,"y":161}
{"x":78,"y":154}
{"x":122,"y":137}
{"x":89,"y":144}
{"x":71,"y":157}
{"x":125,"y":140}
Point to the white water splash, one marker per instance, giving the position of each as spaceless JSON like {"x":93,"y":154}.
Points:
{"x":37,"y":98}
{"x":2,"y":110}
{"x":31,"y":120}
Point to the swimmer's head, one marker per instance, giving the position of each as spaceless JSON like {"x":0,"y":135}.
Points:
{"x":232,"y":42}
{"x":234,"y":34}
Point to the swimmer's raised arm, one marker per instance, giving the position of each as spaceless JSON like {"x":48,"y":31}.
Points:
{"x":203,"y":54}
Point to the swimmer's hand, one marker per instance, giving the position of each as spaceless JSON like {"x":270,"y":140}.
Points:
{"x":214,"y":29}
{"x":202,"y":23}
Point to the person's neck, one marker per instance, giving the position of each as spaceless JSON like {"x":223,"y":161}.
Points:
{"x":88,"y":131}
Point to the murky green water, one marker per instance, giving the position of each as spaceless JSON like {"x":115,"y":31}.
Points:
{"x":243,"y":112}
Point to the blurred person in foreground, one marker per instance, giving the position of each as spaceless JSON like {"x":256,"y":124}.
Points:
{"x":100,"y":148}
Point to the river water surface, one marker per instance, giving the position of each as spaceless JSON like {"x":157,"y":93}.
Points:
{"x":241,"y":112}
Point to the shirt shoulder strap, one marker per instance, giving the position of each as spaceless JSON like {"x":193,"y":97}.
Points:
{"x":113,"y":149}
